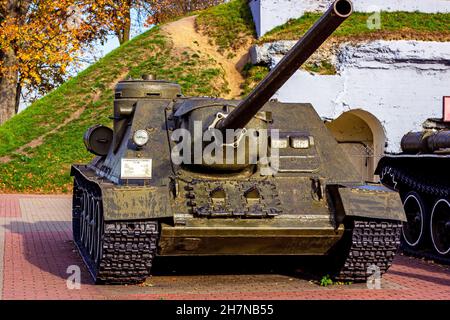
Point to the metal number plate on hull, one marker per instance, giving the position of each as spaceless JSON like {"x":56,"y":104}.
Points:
{"x":136,"y":168}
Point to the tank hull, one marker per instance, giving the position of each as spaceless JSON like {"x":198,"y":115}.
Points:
{"x":314,"y":205}
{"x":333,"y":229}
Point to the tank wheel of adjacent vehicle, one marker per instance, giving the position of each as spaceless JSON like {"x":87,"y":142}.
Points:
{"x":440,"y":227}
{"x":367,"y":249}
{"x":414,"y":229}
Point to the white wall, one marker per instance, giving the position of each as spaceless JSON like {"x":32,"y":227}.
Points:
{"x":268,"y":14}
{"x":400,"y":82}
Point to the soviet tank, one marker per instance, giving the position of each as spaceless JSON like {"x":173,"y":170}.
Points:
{"x":420,"y":174}
{"x":166,"y":182}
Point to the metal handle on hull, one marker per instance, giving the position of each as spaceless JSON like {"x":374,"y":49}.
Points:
{"x":305,"y":47}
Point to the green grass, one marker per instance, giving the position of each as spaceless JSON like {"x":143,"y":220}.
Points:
{"x":393,"y":25}
{"x":45,"y":168}
{"x":323,"y":67}
{"x":252,"y":75}
{"x":327,"y":281}
{"x":230,"y":25}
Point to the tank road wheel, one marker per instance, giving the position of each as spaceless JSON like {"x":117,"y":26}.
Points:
{"x":95,"y":227}
{"x":84,"y":219}
{"x":367,"y":246}
{"x":77,"y":208}
{"x":414,"y":229}
{"x":440,"y":227}
{"x":99,"y":231}
{"x":114,"y":252}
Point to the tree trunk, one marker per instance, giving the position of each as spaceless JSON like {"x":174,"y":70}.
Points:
{"x":18,"y":96}
{"x":124,"y":33}
{"x":9,"y":78}
{"x":8,"y":86}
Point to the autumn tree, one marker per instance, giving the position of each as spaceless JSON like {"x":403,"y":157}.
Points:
{"x":156,"y":11}
{"x":121,"y":17}
{"x":39,"y":39}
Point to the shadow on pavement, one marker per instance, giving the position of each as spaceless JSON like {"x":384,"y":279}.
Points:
{"x":306,"y":268}
{"x":423,"y":277}
{"x":48,"y":246}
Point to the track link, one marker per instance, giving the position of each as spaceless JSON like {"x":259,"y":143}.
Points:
{"x":126,"y":248}
{"x":369,"y":243}
{"x":128,"y":252}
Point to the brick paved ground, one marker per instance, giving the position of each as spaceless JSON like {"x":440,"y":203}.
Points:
{"x":36,"y":251}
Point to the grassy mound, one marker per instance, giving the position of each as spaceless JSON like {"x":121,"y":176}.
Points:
{"x":38,"y":146}
{"x":229,"y":25}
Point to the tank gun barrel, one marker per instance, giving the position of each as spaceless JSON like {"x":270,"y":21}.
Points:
{"x":305,"y":47}
{"x":425,"y":142}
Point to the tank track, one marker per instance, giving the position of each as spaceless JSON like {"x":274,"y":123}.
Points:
{"x":369,"y":243}
{"x":128,"y":252}
{"x":394,"y":178}
{"x":397,"y":179}
{"x":127,"y":248}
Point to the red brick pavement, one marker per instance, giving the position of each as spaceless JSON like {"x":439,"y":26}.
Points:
{"x":38,"y":250}
{"x":35,"y":266}
{"x":9,"y":206}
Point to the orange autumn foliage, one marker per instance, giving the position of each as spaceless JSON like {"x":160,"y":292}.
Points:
{"x":47,"y":36}
{"x":41,"y":39}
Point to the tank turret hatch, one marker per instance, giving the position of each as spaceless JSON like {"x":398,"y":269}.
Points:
{"x":147,"y":87}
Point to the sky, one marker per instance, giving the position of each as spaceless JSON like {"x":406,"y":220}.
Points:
{"x":112,"y":42}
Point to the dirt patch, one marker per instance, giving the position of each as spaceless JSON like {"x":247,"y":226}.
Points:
{"x":184,"y":36}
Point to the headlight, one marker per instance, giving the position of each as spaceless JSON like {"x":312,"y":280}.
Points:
{"x":140,"y":138}
{"x":98,"y":140}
